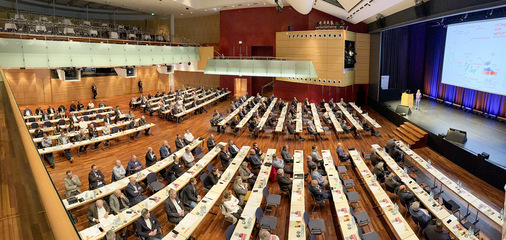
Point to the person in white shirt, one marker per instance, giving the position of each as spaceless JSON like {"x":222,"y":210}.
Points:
{"x":188,"y":136}
{"x":118,"y":170}
{"x":91,"y":105}
{"x":106,"y":130}
{"x":97,"y":212}
{"x":83,"y":125}
{"x":188,"y":158}
{"x":231,"y":203}
{"x":266,"y":235}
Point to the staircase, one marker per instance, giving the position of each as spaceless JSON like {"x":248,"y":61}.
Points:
{"x":411,"y":135}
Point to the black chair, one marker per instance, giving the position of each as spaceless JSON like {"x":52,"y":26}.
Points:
{"x":153,"y":182}
{"x":230,"y":230}
{"x":61,"y":122}
{"x":365,"y":156}
{"x":31,"y":119}
{"x":34,"y":125}
{"x":271,"y":199}
{"x":368,"y":236}
{"x":100,"y":111}
{"x":315,"y":226}
{"x":99,"y":116}
{"x":265,"y":222}
{"x":209,"y":168}
{"x":114,"y":130}
{"x":451,"y":205}
{"x":353,"y":197}
{"x":94,"y":124}
{"x":202,"y":178}
{"x":48,"y":124}
{"x":86,"y":118}
{"x":390,"y":189}
{"x":361,"y":218}
{"x":348,"y":183}
{"x":199,"y":153}
{"x":113,"y":177}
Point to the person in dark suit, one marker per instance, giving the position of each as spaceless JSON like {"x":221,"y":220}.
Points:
{"x":93,"y":133}
{"x":142,"y":122}
{"x":134,"y":192}
{"x":174,"y":207}
{"x":95,"y":178}
{"x":180,"y":143}
{"x":165,"y":150}
{"x":212,"y":178}
{"x":285,"y":183}
{"x":133,"y":125}
{"x":225,"y":157}
{"x":38,"y":132}
{"x":45,"y":116}
{"x":271,"y":121}
{"x":190,"y":196}
{"x":294,"y":101}
{"x":50,"y":110}
{"x":233,"y":125}
{"x":133,"y":166}
{"x":285,"y":154}
{"x":318,"y":193}
{"x":375,"y":159}
{"x":380,"y":172}
{"x":240,"y":189}
{"x":254,"y":160}
{"x":390,"y":143}
{"x":38,"y":111}
{"x":405,"y":195}
{"x":97,"y":211}
{"x":211,"y":143}
{"x":148,"y":226}
{"x":139,"y":84}
{"x":94,"y":90}
{"x":291,"y":131}
{"x":73,"y":107}
{"x":150,"y":157}
{"x":341,"y":154}
{"x":82,"y":137}
{"x":174,"y":170}
{"x":421,"y":215}
{"x":312,"y":130}
{"x":80,"y":106}
{"x":27,"y":112}
{"x":232,"y":148}
{"x":436,"y":232}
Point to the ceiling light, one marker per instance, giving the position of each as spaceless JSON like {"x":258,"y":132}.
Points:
{"x":152,"y":14}
{"x":205,"y":10}
{"x":191,"y":12}
{"x":233,"y":6}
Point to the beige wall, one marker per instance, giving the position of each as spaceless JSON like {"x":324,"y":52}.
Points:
{"x":198,"y":30}
{"x":31,"y":86}
{"x":195,"y":79}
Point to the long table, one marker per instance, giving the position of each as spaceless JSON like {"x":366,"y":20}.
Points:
{"x":333,"y":119}
{"x":431,"y":204}
{"x":124,"y":218}
{"x":316,"y":118}
{"x":90,"y":195}
{"x":234,"y":113}
{"x":246,"y":118}
{"x":281,"y":119}
{"x":50,"y":129}
{"x":298,"y":118}
{"x":365,"y":115}
{"x":296,"y":224}
{"x":68,"y":119}
{"x":347,"y":225}
{"x":244,"y":227}
{"x":481,"y":207}
{"x":264,"y":118}
{"x":190,"y":222}
{"x":200,"y":105}
{"x":94,"y":140}
{"x":350,"y":118}
{"x":395,"y":220}
{"x":73,"y":112}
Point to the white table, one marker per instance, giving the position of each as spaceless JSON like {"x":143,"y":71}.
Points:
{"x":264,"y":118}
{"x":333,"y":119}
{"x":365,"y":115}
{"x":350,"y":118}
{"x":296,"y":224}
{"x":298,"y":118}
{"x":316,"y":118}
{"x":281,"y":119}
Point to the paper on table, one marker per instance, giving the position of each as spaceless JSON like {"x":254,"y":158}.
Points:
{"x":105,"y":222}
{"x":90,"y":232}
{"x":187,"y":222}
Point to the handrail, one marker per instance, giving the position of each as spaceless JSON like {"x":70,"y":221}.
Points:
{"x":57,"y":216}
{"x":266,"y":85}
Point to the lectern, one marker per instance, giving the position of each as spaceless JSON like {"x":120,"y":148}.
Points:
{"x":407,"y":99}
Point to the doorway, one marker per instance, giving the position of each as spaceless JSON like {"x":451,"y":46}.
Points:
{"x":241,"y":86}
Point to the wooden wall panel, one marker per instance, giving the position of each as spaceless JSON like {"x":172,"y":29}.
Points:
{"x":363,"y":49}
{"x":195,"y":79}
{"x":206,"y":53}
{"x":198,"y":30}
{"x":163,"y":83}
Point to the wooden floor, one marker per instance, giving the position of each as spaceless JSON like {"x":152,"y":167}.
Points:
{"x":22,"y":215}
{"x":212,"y":226}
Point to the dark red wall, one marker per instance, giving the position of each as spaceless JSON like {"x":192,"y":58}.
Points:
{"x":315,"y":93}
{"x":258,"y":27}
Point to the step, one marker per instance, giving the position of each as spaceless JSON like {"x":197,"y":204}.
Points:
{"x":409,"y":135}
{"x":403,"y":138}
{"x":415,"y":128}
{"x":410,"y":130}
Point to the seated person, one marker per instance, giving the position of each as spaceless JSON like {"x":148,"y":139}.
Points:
{"x":310,"y":164}
{"x":211,"y":142}
{"x":246,"y":174}
{"x":240,"y":189}
{"x":63,"y":140}
{"x":190,"y":195}
{"x":343,"y":157}
{"x":285,"y":154}
{"x":406,"y":196}
{"x":165,"y":150}
{"x":375,"y":158}
{"x":134,"y":192}
{"x":392,"y":181}
{"x":148,"y":226}
{"x":174,"y":208}
{"x":225,"y":158}
{"x":188,"y":159}
{"x":134,"y":125}
{"x":95,"y":178}
{"x":82,"y":137}
{"x":284,"y":182}
{"x":142,"y":122}
{"x":397,"y":155}
{"x":266,"y":235}
{"x":315,"y":175}
{"x":118,"y":170}
{"x":291,"y":131}
{"x":254,"y":160}
{"x":150,"y":157}
{"x":46,"y":143}
{"x":368,"y":128}
{"x":271,"y":121}
{"x":174,"y":170}
{"x":97,"y":211}
{"x":134,"y":165}
{"x":231,"y":204}
{"x":212,"y":178}
{"x":380,"y":171}
{"x":318,"y":193}
{"x":233,"y":125}
{"x":420,"y":214}
{"x":390,"y":144}
{"x":232,"y":148}
{"x":278,"y":163}
{"x":72,"y":184}
{"x":118,"y":202}
{"x":188,"y":136}
{"x":312,"y":130}
{"x":436,"y":232}
{"x":180,"y":143}
{"x":315,"y":155}
{"x":93,"y":133}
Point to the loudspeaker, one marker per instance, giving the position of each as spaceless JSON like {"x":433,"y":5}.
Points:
{"x":403,"y":110}
{"x":380,"y":22}
{"x":290,"y":28}
{"x":421,"y":9}
{"x":457,"y":136}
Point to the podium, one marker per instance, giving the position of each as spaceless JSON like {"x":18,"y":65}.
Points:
{"x":407,"y":99}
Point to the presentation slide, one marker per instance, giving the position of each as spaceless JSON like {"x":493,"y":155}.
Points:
{"x":475,"y":56}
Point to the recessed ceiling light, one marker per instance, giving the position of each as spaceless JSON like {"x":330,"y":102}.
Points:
{"x":233,"y":6}
{"x":248,"y":4}
{"x":264,"y":3}
{"x":191,"y":12}
{"x":181,"y":14}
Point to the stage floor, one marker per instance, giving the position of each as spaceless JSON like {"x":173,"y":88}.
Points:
{"x":483,"y":134}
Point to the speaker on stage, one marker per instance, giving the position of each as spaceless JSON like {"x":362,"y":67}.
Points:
{"x":457,"y":136}
{"x":403,"y":110}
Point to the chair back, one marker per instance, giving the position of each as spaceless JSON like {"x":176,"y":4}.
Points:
{"x":306,"y":219}
{"x":31,"y":119}
{"x":209,"y":168}
{"x":390,"y":189}
{"x":86,"y":118}
{"x":151,"y":177}
{"x":34,"y":125}
{"x":227,"y":111}
{"x":259,"y":214}
{"x":314,"y":198}
{"x":113,"y":177}
{"x":115,"y":130}
{"x":198,"y":151}
{"x":85,"y":113}
{"x":202,"y":178}
{"x":230,"y":230}
{"x":94,"y":124}
{"x":48,"y":124}
{"x":99,"y":111}
{"x":61,"y":122}
{"x":447,"y":205}
{"x":99,"y":116}
{"x":266,"y":192}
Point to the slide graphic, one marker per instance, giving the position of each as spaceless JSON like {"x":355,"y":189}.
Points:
{"x":475,"y":56}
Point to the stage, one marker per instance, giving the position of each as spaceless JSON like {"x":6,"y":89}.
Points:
{"x":483,"y":134}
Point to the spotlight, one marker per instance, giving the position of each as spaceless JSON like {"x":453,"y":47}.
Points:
{"x":463,"y":18}
{"x":189,"y":63}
